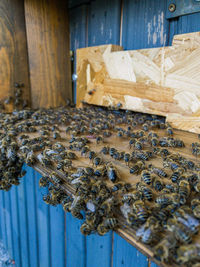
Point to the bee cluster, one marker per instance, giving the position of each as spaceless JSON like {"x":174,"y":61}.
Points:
{"x":118,"y":165}
{"x":16,"y":100}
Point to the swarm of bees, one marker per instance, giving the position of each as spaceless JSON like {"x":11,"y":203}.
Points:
{"x":160,"y":202}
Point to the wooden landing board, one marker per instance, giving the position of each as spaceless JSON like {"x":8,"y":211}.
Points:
{"x":121,"y":144}
{"x":163,"y":81}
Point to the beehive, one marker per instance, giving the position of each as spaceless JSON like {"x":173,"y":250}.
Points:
{"x":111,"y":99}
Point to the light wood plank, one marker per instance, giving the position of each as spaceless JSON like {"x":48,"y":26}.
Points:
{"x":48,"y":47}
{"x":13,"y":51}
{"x":163,"y":81}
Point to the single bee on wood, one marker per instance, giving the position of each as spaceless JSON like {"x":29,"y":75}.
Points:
{"x":112,"y":173}
{"x":146,"y":177}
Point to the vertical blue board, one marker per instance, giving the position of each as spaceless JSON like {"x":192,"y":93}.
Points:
{"x":189,"y":23}
{"x":78,"y":27}
{"x":29,"y":181}
{"x":78,"y":33}
{"x":8,"y":219}
{"x":125,"y":255}
{"x":23,"y":223}
{"x":1,"y":208}
{"x":15,"y":226}
{"x":57,"y":233}
{"x":43,"y":226}
{"x":75,"y":243}
{"x":144,"y":24}
{"x":184,"y":24}
{"x":153,"y":265}
{"x":3,"y":219}
{"x":104,"y":22}
{"x":99,"y":250}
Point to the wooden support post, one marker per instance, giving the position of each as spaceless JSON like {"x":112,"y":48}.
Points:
{"x":13,"y":50}
{"x":48,"y":50}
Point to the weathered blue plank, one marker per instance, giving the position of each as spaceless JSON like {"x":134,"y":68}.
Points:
{"x":78,"y":34}
{"x":125,"y":255}
{"x":8,"y":219}
{"x":15,"y":226}
{"x":104,"y":22}
{"x":29,"y":181}
{"x":1,"y":208}
{"x":189,"y":23}
{"x":43,"y":224}
{"x":76,"y":3}
{"x":3,"y":219}
{"x":23,"y":223}
{"x":184,"y":24}
{"x":78,"y":26}
{"x":144,"y":24}
{"x":75,"y":243}
{"x":153,"y":264}
{"x":57,"y":226}
{"x":99,"y":250}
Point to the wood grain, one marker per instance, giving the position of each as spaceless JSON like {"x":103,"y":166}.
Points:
{"x":90,"y":67}
{"x":48,"y":49}
{"x":163,"y":81}
{"x":13,"y":50}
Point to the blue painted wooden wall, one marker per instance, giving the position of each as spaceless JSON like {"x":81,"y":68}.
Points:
{"x":38,"y":235}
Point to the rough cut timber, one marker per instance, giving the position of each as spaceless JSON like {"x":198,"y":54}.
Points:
{"x":48,"y":51}
{"x":163,"y":81}
{"x":13,"y":51}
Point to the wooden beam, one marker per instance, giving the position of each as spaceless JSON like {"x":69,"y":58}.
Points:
{"x":13,"y":50}
{"x":48,"y":49}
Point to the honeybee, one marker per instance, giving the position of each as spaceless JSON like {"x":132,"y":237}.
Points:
{"x":112,"y":173}
{"x":162,"y":251}
{"x":184,"y":191}
{"x":181,"y":232}
{"x":44,"y":181}
{"x":158,"y":171}
{"x":148,"y":232}
{"x":169,"y":131}
{"x":140,"y":210}
{"x":195,"y":203}
{"x":55,"y":179}
{"x":56,"y":135}
{"x":102,"y":229}
{"x":183,"y":215}
{"x":86,"y":229}
{"x":157,"y":184}
{"x":188,"y":253}
{"x":146,"y":177}
{"x":137,"y":167}
{"x":97,"y":161}
{"x":30,"y":159}
{"x":146,"y":191}
{"x":105,"y":150}
{"x":138,"y":145}
{"x":127,"y":158}
{"x":99,"y":139}
{"x":166,"y":199}
{"x":110,"y":223}
{"x":130,"y":197}
{"x":176,"y":175}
